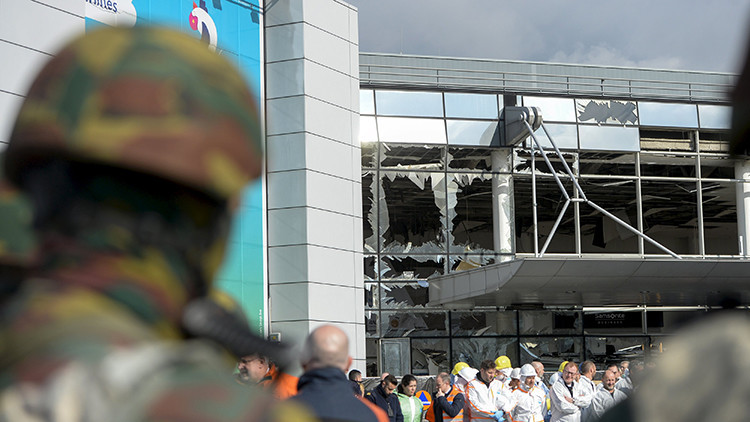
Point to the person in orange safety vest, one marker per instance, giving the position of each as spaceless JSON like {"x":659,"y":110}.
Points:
{"x":449,"y":401}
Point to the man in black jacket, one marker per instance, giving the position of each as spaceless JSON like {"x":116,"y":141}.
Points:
{"x":448,"y":403}
{"x":324,"y":388}
{"x":383,"y":397}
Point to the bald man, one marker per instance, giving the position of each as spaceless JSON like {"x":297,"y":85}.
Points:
{"x":324,"y":387}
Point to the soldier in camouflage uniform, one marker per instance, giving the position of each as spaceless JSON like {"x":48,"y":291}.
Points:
{"x":133,"y":146}
{"x":17,"y":242}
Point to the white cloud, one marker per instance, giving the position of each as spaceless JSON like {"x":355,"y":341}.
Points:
{"x":112,"y":12}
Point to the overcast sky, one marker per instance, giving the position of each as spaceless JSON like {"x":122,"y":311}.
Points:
{"x":664,"y":34}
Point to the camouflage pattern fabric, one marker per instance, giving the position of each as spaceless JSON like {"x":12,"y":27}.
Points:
{"x":144,"y":99}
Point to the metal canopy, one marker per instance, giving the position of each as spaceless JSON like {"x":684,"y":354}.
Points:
{"x":594,"y":282}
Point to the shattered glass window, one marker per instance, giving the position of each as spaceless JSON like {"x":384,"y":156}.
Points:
{"x":670,"y":216}
{"x":412,"y":157}
{"x":607,"y":112}
{"x":369,"y":155}
{"x":615,"y":349}
{"x":412,"y":220}
{"x":476,"y":349}
{"x":553,"y":109}
{"x":550,"y":201}
{"x":371,"y":356}
{"x":371,"y":323}
{"x":414,"y":324}
{"x":668,"y":165}
{"x":371,"y":272}
{"x":609,"y":138}
{"x":522,"y":162}
{"x":607,"y":163}
{"x":473,"y":132}
{"x":550,"y":322}
{"x":720,"y":218}
{"x":470,"y":159}
{"x":411,"y":267}
{"x":488,"y":323}
{"x":403,"y":295}
{"x":409,"y":103}
{"x":551,"y":350}
{"x":429,"y":356}
{"x":471,"y":106}
{"x":668,"y":115}
{"x":471,"y":222}
{"x":465,"y":262}
{"x":372,"y":295}
{"x":369,"y":212}
{"x":600,"y":233}
{"x":715,"y":116}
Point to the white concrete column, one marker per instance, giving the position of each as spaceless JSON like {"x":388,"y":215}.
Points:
{"x":502,"y":202}
{"x":742,"y":171}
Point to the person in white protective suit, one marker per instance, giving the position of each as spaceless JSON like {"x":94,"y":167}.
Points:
{"x":487,"y":398}
{"x":567,"y":397}
{"x":588,"y":371}
{"x":606,"y":396}
{"x":530,"y":400}
{"x":464,"y":376}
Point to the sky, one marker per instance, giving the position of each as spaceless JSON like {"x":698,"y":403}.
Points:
{"x":706,"y":35}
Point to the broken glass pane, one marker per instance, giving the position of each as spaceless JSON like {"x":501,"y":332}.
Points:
{"x":414,"y":324}
{"x":412,"y":219}
{"x":550,"y":201}
{"x":713,"y":167}
{"x":670,"y":215}
{"x":600,"y":233}
{"x":411,"y":267}
{"x":369,"y":155}
{"x":550,"y":322}
{"x":607,"y":112}
{"x":488,"y":323}
{"x":551,"y":350}
{"x":372,"y":296}
{"x":429,"y":356}
{"x":403,"y":295}
{"x":371,"y":323}
{"x":522,"y":162}
{"x":371,"y":354}
{"x":607,"y":163}
{"x":666,"y":140}
{"x":371,"y":272}
{"x":720,"y":218}
{"x":615,"y":349}
{"x":369,"y":212}
{"x":468,"y":159}
{"x":476,"y":349}
{"x":668,"y":165}
{"x":465,"y":262}
{"x":471,"y":217}
{"x":412,"y":157}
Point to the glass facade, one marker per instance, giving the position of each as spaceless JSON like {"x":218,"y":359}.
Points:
{"x":429,"y":162}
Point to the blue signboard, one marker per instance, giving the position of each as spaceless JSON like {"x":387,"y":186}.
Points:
{"x":233,"y":29}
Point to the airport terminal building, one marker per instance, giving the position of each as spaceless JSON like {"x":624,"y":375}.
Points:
{"x":405,"y":201}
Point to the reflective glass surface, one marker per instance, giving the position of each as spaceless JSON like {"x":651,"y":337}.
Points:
{"x":669,"y":115}
{"x":429,"y":356}
{"x":470,"y":159}
{"x":550,"y":322}
{"x":409,"y":103}
{"x":471,"y":106}
{"x":476,"y":349}
{"x":715,"y":116}
{"x":553,"y":109}
{"x":490,"y":323}
{"x":609,"y":138}
{"x":607,"y":112}
{"x":368,"y":131}
{"x":564,"y":136}
{"x":369,"y":155}
{"x":411,"y":157}
{"x":414,"y":324}
{"x":372,"y":329}
{"x":551,"y":350}
{"x":473,"y":132}
{"x":366,"y":101}
{"x":417,"y":131}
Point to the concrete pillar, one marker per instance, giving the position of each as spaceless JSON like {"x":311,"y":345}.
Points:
{"x":315,"y":257}
{"x":742,"y":171}
{"x":502,"y":202}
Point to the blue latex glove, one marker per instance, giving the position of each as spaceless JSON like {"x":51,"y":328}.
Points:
{"x":499,"y":416}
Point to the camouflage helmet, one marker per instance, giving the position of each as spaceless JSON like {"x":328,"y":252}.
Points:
{"x":146,"y":99}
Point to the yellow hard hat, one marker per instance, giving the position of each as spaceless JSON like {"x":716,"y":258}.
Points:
{"x":459,"y":366}
{"x":503,"y":362}
{"x":562,"y":366}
